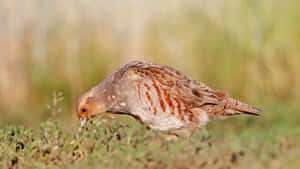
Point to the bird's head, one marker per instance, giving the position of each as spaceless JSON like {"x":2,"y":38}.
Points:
{"x":88,"y":106}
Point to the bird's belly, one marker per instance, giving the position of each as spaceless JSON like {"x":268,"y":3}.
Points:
{"x":160,"y":121}
{"x":166,"y":123}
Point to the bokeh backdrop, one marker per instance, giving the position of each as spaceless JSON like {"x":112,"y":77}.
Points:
{"x":250,"y":49}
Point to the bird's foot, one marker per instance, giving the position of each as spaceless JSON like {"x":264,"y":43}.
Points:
{"x":179,"y":134}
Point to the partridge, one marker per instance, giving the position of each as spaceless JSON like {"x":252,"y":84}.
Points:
{"x":159,"y":96}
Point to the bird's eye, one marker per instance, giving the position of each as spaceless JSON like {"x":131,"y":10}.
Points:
{"x":83,"y":109}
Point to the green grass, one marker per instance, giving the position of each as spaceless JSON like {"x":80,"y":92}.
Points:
{"x":240,"y":142}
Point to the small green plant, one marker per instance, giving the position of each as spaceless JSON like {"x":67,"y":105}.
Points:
{"x":54,"y":107}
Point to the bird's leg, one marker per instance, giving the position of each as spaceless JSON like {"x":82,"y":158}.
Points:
{"x":148,"y":135}
{"x":172,"y":136}
{"x":178,"y":134}
{"x":191,"y":134}
{"x":205,"y":134}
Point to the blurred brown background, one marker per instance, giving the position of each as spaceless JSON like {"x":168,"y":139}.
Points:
{"x":250,"y":49}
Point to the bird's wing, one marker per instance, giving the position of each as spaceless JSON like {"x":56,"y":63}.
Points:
{"x":177,"y":86}
{"x":195,"y":94}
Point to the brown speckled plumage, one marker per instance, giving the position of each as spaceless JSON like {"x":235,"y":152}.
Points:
{"x":159,"y":96}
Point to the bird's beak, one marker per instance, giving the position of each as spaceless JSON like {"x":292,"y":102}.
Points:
{"x":82,"y":122}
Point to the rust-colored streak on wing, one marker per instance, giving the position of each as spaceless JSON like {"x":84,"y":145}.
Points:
{"x":149,"y":98}
{"x":136,"y":71}
{"x":157,"y":76}
{"x":236,"y":103}
{"x":161,"y":73}
{"x":149,"y":74}
{"x":154,"y":110}
{"x":165,"y":81}
{"x":224,"y":107}
{"x":190,"y":114}
{"x":179,"y":109}
{"x":170,"y":73}
{"x":147,"y":86}
{"x":169,"y":101}
{"x":161,"y":81}
{"x":170,"y":83}
{"x":139,"y":90}
{"x":191,"y":117}
{"x":175,"y":75}
{"x":167,"y":74}
{"x":215,"y":114}
{"x":161,"y":102}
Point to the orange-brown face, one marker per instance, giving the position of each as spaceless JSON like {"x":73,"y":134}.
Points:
{"x":87,"y":107}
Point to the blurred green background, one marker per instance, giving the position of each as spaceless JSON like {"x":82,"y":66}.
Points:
{"x":250,"y":49}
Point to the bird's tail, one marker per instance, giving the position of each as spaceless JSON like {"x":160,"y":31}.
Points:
{"x":235,"y":107}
